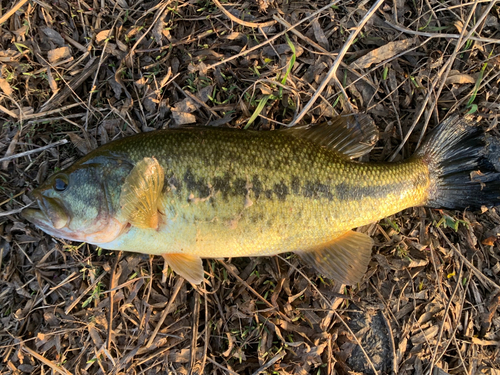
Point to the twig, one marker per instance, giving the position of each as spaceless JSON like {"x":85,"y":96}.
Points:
{"x":442,"y":74}
{"x":439,"y":35}
{"x":14,"y":211}
{"x":112,"y":285}
{"x":241,"y":22}
{"x":273,"y":38}
{"x":268,"y":364}
{"x":254,"y":292}
{"x":221,"y":367}
{"x":309,"y":41}
{"x":476,"y":272}
{"x":8,"y":112}
{"x":43,"y":148}
{"x":194,"y":333}
{"x":166,"y":311}
{"x":94,"y":82}
{"x":58,"y":369}
{"x":333,"y":70}
{"x":194,"y":98}
{"x":445,"y":316}
{"x":368,"y":359}
{"x":79,"y":298}
{"x":12,"y":10}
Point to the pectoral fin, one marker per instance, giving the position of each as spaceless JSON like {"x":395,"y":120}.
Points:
{"x":188,"y":266}
{"x":345,"y":259}
{"x":140,"y":195}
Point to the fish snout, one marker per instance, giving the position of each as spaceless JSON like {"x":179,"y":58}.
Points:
{"x":51,"y":213}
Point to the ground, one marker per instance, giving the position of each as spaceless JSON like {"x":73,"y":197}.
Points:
{"x":78,"y":74}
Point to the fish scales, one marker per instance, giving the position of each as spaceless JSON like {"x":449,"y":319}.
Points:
{"x":231,"y":193}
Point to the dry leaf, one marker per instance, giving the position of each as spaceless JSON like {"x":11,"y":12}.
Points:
{"x":103,"y":35}
{"x":263,"y":4}
{"x":4,"y":85}
{"x":54,"y":36}
{"x":460,"y":78}
{"x":158,"y":30}
{"x":385,"y":52}
{"x":79,"y":143}
{"x":319,"y":34}
{"x":58,"y":54}
{"x":51,"y":80}
{"x":490,"y":241}
{"x":11,"y":149}
{"x":182,"y":118}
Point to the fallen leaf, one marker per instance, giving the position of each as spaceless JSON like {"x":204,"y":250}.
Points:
{"x":11,"y":149}
{"x":79,"y":143}
{"x":58,"y":54}
{"x":490,"y":241}
{"x":182,"y":118}
{"x":4,"y":85}
{"x":53,"y":35}
{"x":103,"y":35}
{"x":459,"y":78}
{"x":319,"y":34}
{"x":385,"y":52}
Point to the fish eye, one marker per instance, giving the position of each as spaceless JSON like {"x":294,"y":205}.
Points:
{"x":60,"y":184}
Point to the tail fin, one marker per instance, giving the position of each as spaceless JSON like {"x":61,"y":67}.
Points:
{"x":461,"y":166}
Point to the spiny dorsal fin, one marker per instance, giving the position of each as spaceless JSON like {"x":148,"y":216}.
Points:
{"x":345,"y":259}
{"x":189,"y":267}
{"x":351,"y":135}
{"x":140,"y":194}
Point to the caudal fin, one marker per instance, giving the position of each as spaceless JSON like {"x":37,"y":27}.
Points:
{"x":461,"y":165}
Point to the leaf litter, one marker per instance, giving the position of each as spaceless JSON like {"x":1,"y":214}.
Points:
{"x":93,"y":72}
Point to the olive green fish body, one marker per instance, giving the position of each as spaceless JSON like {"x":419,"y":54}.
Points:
{"x":198,"y":193}
{"x":233,"y":193}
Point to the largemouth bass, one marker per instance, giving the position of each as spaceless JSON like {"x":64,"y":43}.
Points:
{"x":188,"y":194}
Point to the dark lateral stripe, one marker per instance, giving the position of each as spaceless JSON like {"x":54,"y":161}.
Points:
{"x":346,"y":192}
{"x":231,"y":186}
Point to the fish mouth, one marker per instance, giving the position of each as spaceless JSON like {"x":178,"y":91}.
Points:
{"x":39,"y":219}
{"x":51,"y":215}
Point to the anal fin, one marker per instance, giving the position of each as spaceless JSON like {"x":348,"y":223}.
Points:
{"x":140,"y":194}
{"x":344,"y":259}
{"x":188,"y":266}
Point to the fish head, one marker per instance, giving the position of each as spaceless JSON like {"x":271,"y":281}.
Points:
{"x":80,"y":203}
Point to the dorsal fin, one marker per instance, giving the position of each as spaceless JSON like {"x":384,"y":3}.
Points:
{"x":351,"y":135}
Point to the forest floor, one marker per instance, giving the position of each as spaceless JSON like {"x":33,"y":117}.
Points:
{"x":78,"y":74}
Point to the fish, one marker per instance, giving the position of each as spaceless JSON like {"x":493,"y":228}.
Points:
{"x":193,"y":193}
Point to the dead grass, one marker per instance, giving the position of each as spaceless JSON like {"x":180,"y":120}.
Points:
{"x":90,"y":72}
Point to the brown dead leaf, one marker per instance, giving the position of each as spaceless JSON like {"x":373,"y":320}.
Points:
{"x":103,"y":35}
{"x":4,"y":85}
{"x":158,"y":30}
{"x":58,"y":54}
{"x":425,"y":335}
{"x":459,"y":25}
{"x":53,"y":35}
{"x":11,"y":149}
{"x":79,"y":143}
{"x":385,"y":52}
{"x":319,"y":34}
{"x":490,"y":241}
{"x":263,"y":4}
{"x":456,"y":77}
{"x":51,"y":80}
{"x":183,"y":118}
